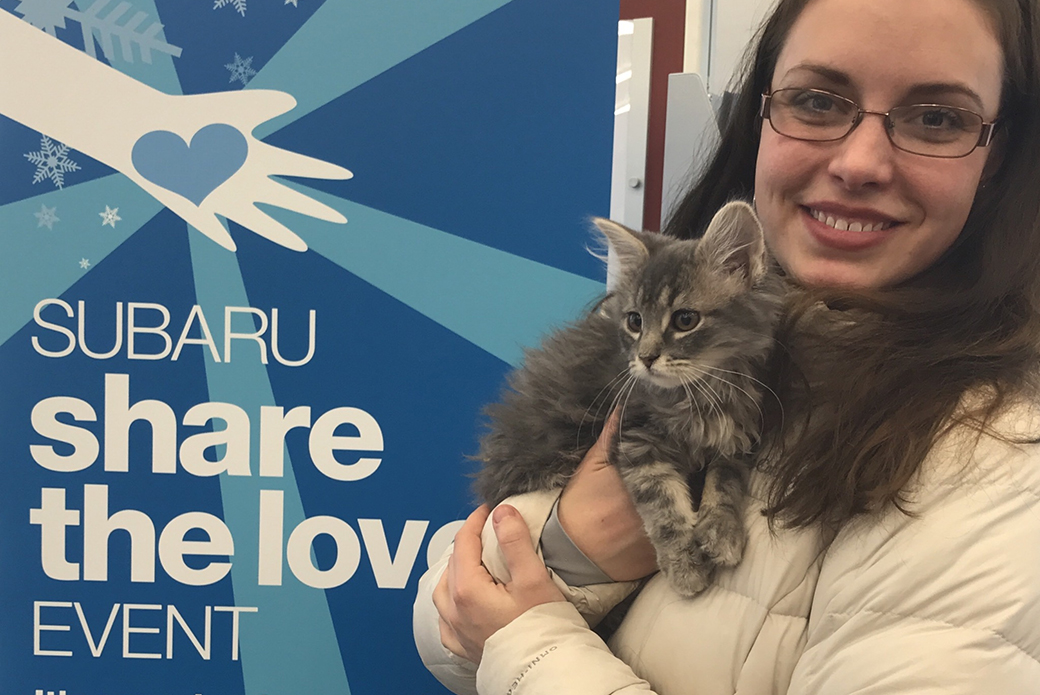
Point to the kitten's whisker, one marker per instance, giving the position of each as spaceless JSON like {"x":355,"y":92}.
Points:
{"x":761,"y":383}
{"x":626,"y":377}
{"x":626,"y":390}
{"x":693,"y":401}
{"x":714,"y":397}
{"x":714,"y":405}
{"x":689,"y":396}
{"x":704,"y":368}
{"x":766,"y":335}
{"x":754,"y":401}
{"x":621,"y":417}
{"x":746,"y":376}
{"x":609,"y":388}
{"x":702,"y":372}
{"x":717,"y":402}
{"x":629,"y":382}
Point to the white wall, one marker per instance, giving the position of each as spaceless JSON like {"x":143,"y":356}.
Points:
{"x":728,"y":25}
{"x":697,"y":36}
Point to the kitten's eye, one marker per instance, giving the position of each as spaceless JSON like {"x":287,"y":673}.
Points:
{"x":685,"y":320}
{"x":635,"y":322}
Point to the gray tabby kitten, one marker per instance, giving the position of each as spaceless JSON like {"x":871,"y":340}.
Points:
{"x":675,"y":348}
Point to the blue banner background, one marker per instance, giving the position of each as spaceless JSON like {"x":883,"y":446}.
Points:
{"x":479,"y":135}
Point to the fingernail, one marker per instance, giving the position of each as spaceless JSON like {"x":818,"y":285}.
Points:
{"x":501,"y":513}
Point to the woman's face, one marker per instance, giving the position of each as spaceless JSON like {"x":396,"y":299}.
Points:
{"x":880,"y":54}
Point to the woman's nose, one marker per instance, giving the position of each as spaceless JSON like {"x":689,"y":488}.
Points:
{"x":865,"y":156}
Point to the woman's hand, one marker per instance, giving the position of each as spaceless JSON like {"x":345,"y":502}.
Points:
{"x":599,"y":516}
{"x":471,"y":604}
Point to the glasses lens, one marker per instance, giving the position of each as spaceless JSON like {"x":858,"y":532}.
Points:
{"x":808,"y":114}
{"x":935,"y":130}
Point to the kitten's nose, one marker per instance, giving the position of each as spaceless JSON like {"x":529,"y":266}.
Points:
{"x":649,"y":360}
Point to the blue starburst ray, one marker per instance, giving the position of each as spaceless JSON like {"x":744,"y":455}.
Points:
{"x":496,"y":300}
{"x":347,"y":43}
{"x":50,"y":263}
{"x":270,"y":663}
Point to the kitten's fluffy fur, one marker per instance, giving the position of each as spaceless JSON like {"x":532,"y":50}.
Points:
{"x":683,"y":377}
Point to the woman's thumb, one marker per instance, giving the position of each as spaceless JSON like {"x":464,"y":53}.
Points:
{"x":514,"y":540}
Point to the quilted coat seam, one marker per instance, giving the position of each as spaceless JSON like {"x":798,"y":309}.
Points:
{"x":904,"y":616}
{"x":1002,"y":484}
{"x":768,"y":610}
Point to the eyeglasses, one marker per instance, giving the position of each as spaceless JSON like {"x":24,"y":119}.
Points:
{"x":932,"y":130}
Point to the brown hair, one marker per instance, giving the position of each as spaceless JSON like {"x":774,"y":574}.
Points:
{"x":886,"y":370}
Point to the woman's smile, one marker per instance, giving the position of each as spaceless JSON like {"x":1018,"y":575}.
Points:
{"x":845,"y":228}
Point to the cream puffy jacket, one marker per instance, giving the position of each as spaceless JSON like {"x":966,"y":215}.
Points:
{"x":944,"y":602}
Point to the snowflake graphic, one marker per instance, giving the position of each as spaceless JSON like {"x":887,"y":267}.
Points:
{"x":110,"y":217}
{"x":46,"y":217}
{"x":291,"y":2}
{"x":84,"y":263}
{"x":52,"y":162}
{"x":134,"y":30}
{"x":45,"y":14}
{"x":241,"y":70}
{"x":239,"y":5}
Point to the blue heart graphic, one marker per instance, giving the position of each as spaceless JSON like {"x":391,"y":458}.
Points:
{"x":194,"y":171}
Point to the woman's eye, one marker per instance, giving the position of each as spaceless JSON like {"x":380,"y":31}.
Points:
{"x":813,"y":101}
{"x":685,"y":320}
{"x":821,"y":103}
{"x":928,"y":123}
{"x":635,"y":322}
{"x":813,"y":107}
{"x":940,"y":118}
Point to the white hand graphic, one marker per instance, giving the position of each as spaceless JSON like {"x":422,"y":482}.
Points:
{"x":236,"y":198}
{"x":136,"y":130}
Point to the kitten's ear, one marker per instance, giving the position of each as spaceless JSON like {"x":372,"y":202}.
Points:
{"x":735,"y":243}
{"x":626,"y":244}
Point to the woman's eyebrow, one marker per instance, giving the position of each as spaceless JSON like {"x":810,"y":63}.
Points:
{"x":919,"y":91}
{"x":832,"y":75}
{"x":934,"y":89}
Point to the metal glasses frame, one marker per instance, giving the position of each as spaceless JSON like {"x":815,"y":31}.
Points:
{"x":985,"y":134}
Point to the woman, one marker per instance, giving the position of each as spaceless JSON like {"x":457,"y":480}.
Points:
{"x":894,"y":534}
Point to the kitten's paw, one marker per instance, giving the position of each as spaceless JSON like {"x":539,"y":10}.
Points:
{"x":720,"y":535}
{"x":689,"y":572}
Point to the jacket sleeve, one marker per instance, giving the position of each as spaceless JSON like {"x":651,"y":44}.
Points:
{"x":506,"y":655}
{"x":551,"y":650}
{"x":946,"y":601}
{"x":455,"y":673}
{"x":593,"y":601}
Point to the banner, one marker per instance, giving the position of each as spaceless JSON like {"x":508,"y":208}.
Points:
{"x":262,"y":263}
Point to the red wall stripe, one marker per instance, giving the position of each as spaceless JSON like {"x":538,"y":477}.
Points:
{"x":667,"y":57}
